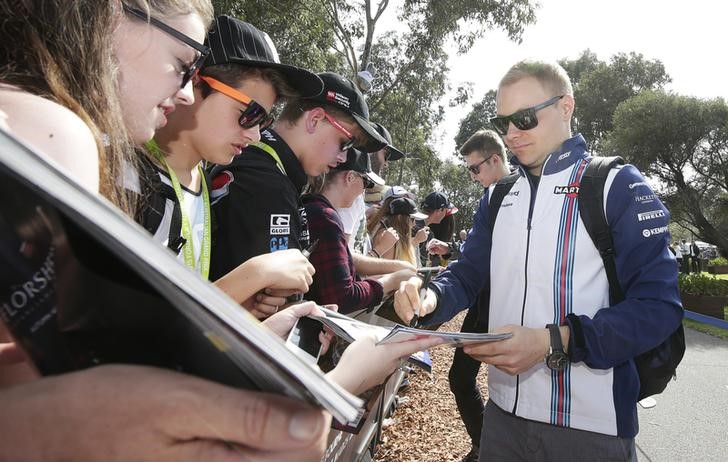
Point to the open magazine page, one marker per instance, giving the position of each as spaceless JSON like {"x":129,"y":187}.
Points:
{"x":81,"y":285}
{"x":349,"y":328}
{"x":456,"y":339}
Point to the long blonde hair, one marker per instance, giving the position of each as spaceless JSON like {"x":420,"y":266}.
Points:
{"x":404,"y":248}
{"x":63,"y":50}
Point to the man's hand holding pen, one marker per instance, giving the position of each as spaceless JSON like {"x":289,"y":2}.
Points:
{"x":414,"y":299}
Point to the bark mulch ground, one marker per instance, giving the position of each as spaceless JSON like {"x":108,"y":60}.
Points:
{"x":426,"y":427}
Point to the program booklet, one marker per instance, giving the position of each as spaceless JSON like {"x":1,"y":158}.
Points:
{"x":351,"y":329}
{"x":81,"y":285}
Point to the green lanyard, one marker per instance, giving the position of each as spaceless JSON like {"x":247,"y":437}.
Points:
{"x":271,"y":152}
{"x":188,"y":250}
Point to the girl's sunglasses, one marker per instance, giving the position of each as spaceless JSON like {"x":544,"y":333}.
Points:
{"x":525,"y":119}
{"x":204,"y":50}
{"x":253,"y":115}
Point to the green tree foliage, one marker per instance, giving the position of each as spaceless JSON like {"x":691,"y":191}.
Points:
{"x":410,"y":63}
{"x":599,"y":87}
{"x":477,"y":119}
{"x":462,"y":192}
{"x":682,"y":142}
{"x":299,"y":28}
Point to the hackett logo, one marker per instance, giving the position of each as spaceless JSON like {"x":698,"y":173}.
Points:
{"x":571,"y":191}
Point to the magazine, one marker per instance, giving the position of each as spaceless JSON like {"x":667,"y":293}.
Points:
{"x":351,"y":329}
{"x":82,"y":285}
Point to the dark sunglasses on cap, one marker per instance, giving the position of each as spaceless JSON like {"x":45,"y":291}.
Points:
{"x":204,"y":50}
{"x":253,"y":115}
{"x":525,"y":119}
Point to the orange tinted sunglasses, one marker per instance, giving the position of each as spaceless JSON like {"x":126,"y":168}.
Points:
{"x":253,"y":115}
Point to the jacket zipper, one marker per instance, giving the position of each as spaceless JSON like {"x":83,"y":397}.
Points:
{"x":531,"y":206}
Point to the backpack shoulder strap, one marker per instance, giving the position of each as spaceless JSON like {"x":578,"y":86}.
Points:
{"x":500,"y":190}
{"x":591,"y":210}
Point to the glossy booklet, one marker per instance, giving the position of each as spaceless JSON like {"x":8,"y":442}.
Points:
{"x":82,"y":285}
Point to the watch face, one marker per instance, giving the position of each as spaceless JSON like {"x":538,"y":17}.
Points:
{"x":556,"y":360}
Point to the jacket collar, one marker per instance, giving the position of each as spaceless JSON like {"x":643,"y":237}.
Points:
{"x":570,"y":152}
{"x":294,"y":169}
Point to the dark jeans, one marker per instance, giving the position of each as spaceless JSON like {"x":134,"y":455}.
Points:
{"x":510,"y":438}
{"x":697,"y":267}
{"x":463,"y":383}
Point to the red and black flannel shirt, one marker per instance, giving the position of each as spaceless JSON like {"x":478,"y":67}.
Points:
{"x":335,"y":280}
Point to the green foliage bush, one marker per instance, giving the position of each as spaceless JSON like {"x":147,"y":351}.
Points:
{"x":702,"y":284}
{"x":720,"y":261}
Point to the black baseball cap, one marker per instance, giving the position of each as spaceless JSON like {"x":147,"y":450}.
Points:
{"x":359,"y":162}
{"x":405,"y":206}
{"x":437,"y":200}
{"x":341,"y":93}
{"x":234,"y":41}
{"x":394,"y":153}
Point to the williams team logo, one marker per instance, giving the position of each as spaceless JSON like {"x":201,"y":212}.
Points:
{"x":280,"y":224}
{"x":338,"y":98}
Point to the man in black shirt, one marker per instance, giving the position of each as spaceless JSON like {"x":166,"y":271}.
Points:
{"x":256,"y":197}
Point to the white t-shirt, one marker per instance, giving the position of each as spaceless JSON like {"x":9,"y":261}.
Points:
{"x":194,"y":207}
{"x":351,"y":217}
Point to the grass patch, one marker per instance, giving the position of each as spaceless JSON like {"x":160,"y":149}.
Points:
{"x":706,"y":328}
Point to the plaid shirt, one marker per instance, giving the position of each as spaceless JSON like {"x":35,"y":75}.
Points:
{"x":335,"y":281}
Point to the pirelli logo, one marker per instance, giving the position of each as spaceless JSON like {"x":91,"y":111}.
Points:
{"x":651,"y":215}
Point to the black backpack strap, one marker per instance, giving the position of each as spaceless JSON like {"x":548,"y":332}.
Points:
{"x":591,"y":210}
{"x":500,"y":190}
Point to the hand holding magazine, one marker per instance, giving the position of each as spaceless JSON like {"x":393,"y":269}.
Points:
{"x":83,"y":285}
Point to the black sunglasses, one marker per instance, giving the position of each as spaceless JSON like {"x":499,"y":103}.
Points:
{"x":525,"y":119}
{"x":475,"y":169}
{"x":204,"y":50}
{"x":368,"y":183}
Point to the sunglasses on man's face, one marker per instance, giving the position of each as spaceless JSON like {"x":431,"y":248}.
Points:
{"x":204,"y":50}
{"x":475,"y":169}
{"x":253,"y":115}
{"x":350,"y":142}
{"x":525,"y":119}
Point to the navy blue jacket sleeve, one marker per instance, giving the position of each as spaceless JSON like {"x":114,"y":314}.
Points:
{"x":647,"y":275}
{"x":458,"y":285}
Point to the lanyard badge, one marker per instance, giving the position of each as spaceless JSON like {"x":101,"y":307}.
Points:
{"x":188,"y":251}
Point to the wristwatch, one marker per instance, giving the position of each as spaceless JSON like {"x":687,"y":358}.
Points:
{"x":556,"y":358}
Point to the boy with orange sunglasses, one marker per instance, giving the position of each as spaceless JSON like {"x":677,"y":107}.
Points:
{"x":235,"y":90}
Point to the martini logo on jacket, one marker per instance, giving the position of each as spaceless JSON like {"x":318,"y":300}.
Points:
{"x":571,"y":191}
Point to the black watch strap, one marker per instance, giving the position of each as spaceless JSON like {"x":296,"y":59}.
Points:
{"x":555,"y":332}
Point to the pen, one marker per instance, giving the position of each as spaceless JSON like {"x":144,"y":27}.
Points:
{"x":311,"y":248}
{"x":423,"y":292}
{"x":306,"y":253}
